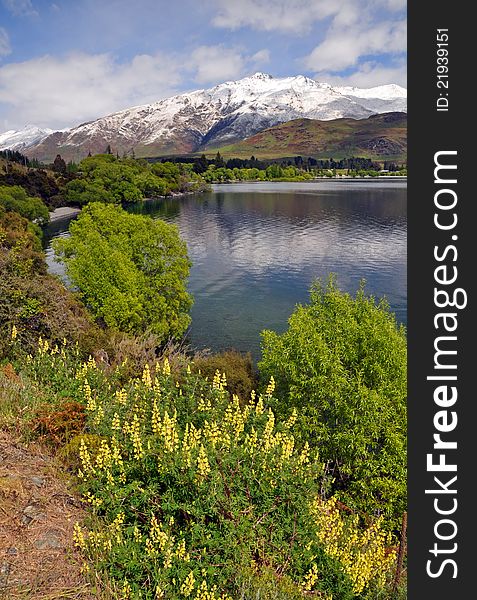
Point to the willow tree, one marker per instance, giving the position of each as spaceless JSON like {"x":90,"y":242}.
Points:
{"x":342,"y":364}
{"x":130,"y":270}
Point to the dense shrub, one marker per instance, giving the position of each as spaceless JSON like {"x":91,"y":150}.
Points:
{"x":241,"y":379}
{"x":131,"y":271}
{"x":201,"y":496}
{"x":36,"y":182}
{"x":15,"y":199}
{"x":342,"y":364}
{"x":35,"y":302}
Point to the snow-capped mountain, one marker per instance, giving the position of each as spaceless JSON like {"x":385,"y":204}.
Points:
{"x":221,"y":115}
{"x":24,"y":138}
{"x":377,"y":98}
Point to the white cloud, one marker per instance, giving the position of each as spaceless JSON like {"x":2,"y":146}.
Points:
{"x":275,"y":15}
{"x":261,"y":57}
{"x":57,"y":93}
{"x":5,"y":47}
{"x":20,"y":8}
{"x":368,"y":75}
{"x":344,"y":46}
{"x":296,"y":16}
{"x":216,"y":63}
{"x":349,"y":31}
{"x":61,"y":92}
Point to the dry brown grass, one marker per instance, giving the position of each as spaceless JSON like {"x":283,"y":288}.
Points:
{"x":37,"y":515}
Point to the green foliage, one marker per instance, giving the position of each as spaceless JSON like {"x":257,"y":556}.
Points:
{"x":106,"y":178}
{"x":342,"y":364}
{"x":14,"y":198}
{"x":36,"y":303}
{"x":198,"y":495}
{"x":274,"y":172}
{"x":241,"y":379}
{"x":130,"y":270}
{"x":37,"y":182}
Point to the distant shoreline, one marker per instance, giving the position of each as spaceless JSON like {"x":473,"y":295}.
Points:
{"x":63,"y":212}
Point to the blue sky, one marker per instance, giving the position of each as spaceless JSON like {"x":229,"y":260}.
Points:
{"x":69,"y":61}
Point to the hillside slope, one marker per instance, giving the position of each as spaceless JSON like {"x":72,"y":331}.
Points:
{"x":380,"y":137}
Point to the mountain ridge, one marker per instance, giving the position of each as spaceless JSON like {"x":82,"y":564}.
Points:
{"x":224,"y":114}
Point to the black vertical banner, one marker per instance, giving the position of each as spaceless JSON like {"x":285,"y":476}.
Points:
{"x":442,"y":267}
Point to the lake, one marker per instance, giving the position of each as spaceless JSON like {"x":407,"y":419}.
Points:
{"x":257,"y":247}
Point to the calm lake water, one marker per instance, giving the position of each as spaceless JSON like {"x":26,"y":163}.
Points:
{"x":256,"y":248}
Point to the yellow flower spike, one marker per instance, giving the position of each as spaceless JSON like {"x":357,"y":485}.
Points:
{"x":116,"y":422}
{"x":217,"y":381}
{"x":203,"y":465}
{"x":361,"y":552}
{"x":212,"y":432}
{"x":78,"y":537}
{"x":166,"y":369}
{"x":204,"y":405}
{"x":188,"y":585}
{"x":311,"y":578}
{"x":14,"y":333}
{"x":85,"y":458}
{"x":126,"y":590}
{"x":137,"y":534}
{"x":146,"y":376}
{"x":267,"y":438}
{"x":188,"y":370}
{"x":270,"y":388}
{"x":99,"y":415}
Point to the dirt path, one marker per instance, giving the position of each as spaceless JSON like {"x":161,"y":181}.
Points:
{"x":37,"y":515}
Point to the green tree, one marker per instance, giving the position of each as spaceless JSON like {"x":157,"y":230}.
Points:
{"x":219,"y":161}
{"x":201,"y":164}
{"x":342,"y":364}
{"x":14,"y":198}
{"x":130,"y":270}
{"x":59,"y":165}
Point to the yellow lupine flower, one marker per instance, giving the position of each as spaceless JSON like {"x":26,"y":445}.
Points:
{"x":217,"y":381}
{"x":168,"y":431}
{"x":267,"y":437}
{"x":14,"y":333}
{"x":78,"y":537}
{"x":121,"y":396}
{"x":362,"y":553}
{"x":203,"y":405}
{"x":212,"y":432}
{"x":311,"y":577}
{"x":116,"y":422}
{"x":146,"y":376}
{"x":259,"y":406}
{"x":270,"y":388}
{"x":203,"y":465}
{"x":188,"y":585}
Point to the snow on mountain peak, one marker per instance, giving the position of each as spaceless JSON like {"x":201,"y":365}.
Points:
{"x":260,"y":75}
{"x":383,"y":92}
{"x":25,"y":137}
{"x":223,"y":114}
